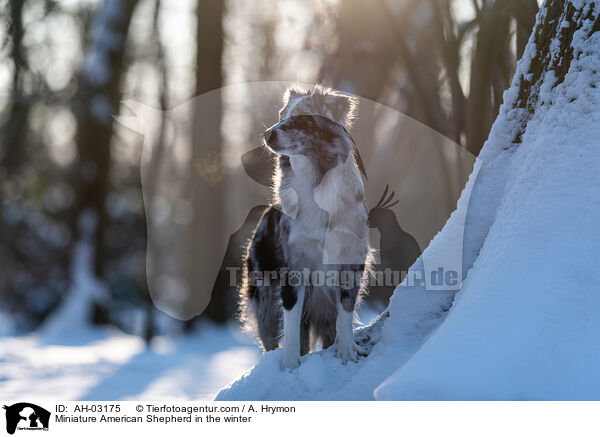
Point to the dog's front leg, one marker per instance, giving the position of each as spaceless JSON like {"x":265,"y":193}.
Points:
{"x":346,"y":347}
{"x":293,"y":299}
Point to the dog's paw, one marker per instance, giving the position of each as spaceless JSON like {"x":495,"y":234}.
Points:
{"x":290,"y":362}
{"x":360,"y":350}
{"x":346,"y":352}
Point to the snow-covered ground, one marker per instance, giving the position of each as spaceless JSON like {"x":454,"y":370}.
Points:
{"x":110,"y":365}
{"x":85,"y":363}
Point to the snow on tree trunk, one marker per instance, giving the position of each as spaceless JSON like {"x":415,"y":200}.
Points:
{"x":525,"y":323}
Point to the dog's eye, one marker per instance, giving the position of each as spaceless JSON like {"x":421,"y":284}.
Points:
{"x":302,"y":124}
{"x":284,"y":161}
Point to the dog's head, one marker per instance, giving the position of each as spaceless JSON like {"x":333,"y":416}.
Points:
{"x":313,"y":124}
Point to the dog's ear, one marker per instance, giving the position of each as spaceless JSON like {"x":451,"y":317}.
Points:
{"x":259,"y":164}
{"x":290,"y":94}
{"x":343,"y":108}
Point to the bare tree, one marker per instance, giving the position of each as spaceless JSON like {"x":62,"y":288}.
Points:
{"x":14,"y":131}
{"x":97,"y":100}
{"x":209,"y":195}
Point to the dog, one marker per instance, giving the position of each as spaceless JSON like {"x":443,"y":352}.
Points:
{"x":317,"y":223}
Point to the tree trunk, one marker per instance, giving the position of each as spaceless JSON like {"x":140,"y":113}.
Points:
{"x":207,"y":147}
{"x":14,"y":131}
{"x":97,"y":100}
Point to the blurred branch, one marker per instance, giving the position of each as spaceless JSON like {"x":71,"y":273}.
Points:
{"x":524,"y":12}
{"x":449,"y":51}
{"x":160,"y":56}
{"x":432,"y":117}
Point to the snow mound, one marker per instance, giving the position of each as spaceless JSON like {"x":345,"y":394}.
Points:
{"x":525,"y":324}
{"x":321,"y":375}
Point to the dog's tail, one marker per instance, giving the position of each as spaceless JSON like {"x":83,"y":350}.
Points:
{"x":247,"y":302}
{"x":260,"y":308}
{"x":260,"y":313}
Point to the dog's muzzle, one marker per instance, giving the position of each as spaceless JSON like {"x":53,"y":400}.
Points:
{"x":271,"y":138}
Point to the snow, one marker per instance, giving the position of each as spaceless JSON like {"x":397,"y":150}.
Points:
{"x":88,"y":363}
{"x":68,"y":359}
{"x":524,"y":324}
{"x":105,"y":364}
{"x":6,"y":324}
{"x":71,"y":319}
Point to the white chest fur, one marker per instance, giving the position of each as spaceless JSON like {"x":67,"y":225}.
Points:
{"x":340,"y":193}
